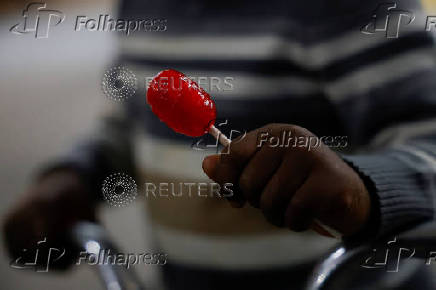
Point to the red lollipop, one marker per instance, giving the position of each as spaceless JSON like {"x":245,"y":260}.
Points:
{"x":183,"y":105}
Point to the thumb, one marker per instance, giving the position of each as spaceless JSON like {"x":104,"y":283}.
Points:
{"x":210,"y":164}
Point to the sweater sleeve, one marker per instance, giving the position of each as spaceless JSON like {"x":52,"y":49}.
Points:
{"x":105,"y":150}
{"x":401,"y":180}
{"x":387,"y":102}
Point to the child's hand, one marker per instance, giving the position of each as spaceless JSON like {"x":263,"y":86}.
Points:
{"x":51,"y":206}
{"x":292,"y":185}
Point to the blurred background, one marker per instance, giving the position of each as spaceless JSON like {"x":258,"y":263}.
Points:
{"x":50,"y":94}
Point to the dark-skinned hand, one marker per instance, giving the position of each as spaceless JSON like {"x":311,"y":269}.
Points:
{"x":51,"y":206}
{"x":293,"y":185}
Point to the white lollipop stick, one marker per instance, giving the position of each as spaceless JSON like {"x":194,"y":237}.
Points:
{"x":219,"y":136}
{"x":226,"y":142}
{"x":334,"y":233}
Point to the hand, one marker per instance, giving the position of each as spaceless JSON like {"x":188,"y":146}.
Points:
{"x":49,"y":209}
{"x":293,"y":184}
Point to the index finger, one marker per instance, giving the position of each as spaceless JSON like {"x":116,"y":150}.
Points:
{"x":241,"y":149}
{"x":228,"y":166}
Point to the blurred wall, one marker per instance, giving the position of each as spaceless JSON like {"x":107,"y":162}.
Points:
{"x":50,"y":92}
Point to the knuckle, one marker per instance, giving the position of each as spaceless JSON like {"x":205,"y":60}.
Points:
{"x":274,"y":185}
{"x":236,"y":154}
{"x":298,"y":204}
{"x":240,"y":138}
{"x":232,"y":154}
{"x":345,"y":203}
{"x":246,"y":183}
{"x":224,"y":159}
{"x":266,"y":204}
{"x":249,"y":190}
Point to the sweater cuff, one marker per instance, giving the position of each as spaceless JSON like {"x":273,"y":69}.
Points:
{"x":399,"y":199}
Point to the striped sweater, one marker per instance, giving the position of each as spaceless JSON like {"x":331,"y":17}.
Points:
{"x":288,"y":62}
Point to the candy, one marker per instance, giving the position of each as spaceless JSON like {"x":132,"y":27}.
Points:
{"x":181,"y":104}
